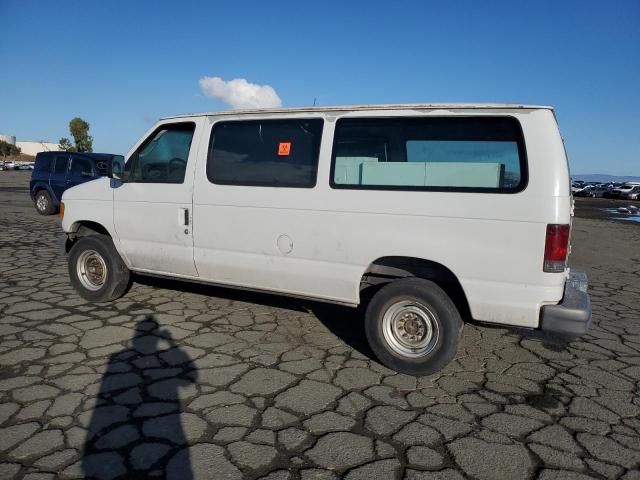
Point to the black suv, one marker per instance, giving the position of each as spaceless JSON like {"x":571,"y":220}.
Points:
{"x":54,"y":172}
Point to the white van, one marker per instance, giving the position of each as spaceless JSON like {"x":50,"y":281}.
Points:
{"x":428,"y":215}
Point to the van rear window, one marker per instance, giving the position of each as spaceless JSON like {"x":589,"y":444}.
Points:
{"x":267,"y":153}
{"x":441,"y":154}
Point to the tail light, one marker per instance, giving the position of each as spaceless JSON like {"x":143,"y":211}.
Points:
{"x":556,"y":248}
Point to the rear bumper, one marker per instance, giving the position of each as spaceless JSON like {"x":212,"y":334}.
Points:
{"x":572,"y":316}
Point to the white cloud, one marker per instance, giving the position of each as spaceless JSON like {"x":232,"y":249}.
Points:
{"x":240,"y":94}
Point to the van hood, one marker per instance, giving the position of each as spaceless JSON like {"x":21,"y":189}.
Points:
{"x":98,"y":189}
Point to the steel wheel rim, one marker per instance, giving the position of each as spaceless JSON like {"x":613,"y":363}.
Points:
{"x":410,"y":329}
{"x":41,"y":203}
{"x":92,"y":270}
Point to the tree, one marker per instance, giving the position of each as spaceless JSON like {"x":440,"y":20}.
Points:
{"x":65,"y":145}
{"x":80,"y":132}
{"x":7,"y":149}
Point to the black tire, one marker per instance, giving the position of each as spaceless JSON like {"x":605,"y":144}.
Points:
{"x":115,"y":279}
{"x":44,"y":203}
{"x":414,"y":293}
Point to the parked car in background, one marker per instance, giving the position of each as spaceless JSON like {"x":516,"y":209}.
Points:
{"x":612,"y":193}
{"x":580,"y":191}
{"x":577,"y":186}
{"x":24,"y":166}
{"x":633,"y":194}
{"x":625,"y":189}
{"x":593,"y":192}
{"x":8,"y":165}
{"x":54,"y":172}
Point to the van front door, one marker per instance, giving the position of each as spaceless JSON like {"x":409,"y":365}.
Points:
{"x":152,"y":207}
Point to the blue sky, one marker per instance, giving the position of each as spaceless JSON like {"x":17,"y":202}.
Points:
{"x":122,"y":64}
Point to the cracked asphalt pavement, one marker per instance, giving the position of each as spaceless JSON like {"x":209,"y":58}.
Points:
{"x":185,"y":381}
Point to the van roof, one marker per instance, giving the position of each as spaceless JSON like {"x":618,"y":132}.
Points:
{"x":399,"y":106}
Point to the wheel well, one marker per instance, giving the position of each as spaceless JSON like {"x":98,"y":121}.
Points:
{"x":39,"y":188}
{"x":84,"y":229}
{"x":386,"y":269}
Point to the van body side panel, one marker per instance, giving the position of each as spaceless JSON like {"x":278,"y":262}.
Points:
{"x":239,"y":233}
{"x":493,"y":243}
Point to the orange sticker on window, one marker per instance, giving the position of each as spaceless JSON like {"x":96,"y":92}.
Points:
{"x":284,"y":148}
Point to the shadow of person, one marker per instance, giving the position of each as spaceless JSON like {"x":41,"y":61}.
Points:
{"x":135,"y":427}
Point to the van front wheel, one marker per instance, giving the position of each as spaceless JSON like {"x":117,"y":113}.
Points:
{"x":412,"y":326}
{"x":96,"y":269}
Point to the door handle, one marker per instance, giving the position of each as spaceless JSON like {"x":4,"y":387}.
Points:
{"x":184,"y":219}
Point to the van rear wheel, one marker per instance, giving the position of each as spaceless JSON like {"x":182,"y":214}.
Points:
{"x":44,"y":203}
{"x":96,"y":269}
{"x":412,"y":326}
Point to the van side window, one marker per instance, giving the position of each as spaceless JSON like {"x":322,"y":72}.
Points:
{"x":443,"y":154}
{"x":61,"y":165}
{"x":267,"y":153}
{"x":162,"y":158}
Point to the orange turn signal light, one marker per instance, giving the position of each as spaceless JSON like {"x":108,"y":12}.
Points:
{"x":61,"y":211}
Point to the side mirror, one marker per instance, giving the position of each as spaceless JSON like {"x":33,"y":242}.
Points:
{"x":117,"y":168}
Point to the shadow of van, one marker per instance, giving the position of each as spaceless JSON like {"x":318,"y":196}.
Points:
{"x":345,"y":323}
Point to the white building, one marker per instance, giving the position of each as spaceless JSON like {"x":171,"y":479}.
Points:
{"x":32,"y":148}
{"x":8,"y":138}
